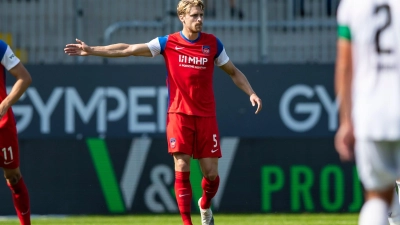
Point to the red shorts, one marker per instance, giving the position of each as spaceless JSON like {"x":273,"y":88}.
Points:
{"x":193,"y":135}
{"x":9,"y":151}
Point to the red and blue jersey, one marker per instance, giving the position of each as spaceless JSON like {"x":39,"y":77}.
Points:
{"x":190,"y":66}
{"x":8,"y":61}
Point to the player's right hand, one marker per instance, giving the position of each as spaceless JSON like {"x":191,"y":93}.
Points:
{"x":80,"y":49}
{"x":344,"y":142}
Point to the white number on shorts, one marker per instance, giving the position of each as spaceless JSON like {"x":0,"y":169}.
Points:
{"x":215,"y":140}
{"x":5,"y":153}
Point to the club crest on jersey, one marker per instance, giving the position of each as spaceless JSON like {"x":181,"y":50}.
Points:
{"x":172,"y":142}
{"x":206,"y":49}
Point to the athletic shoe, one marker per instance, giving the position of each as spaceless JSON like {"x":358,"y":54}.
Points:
{"x":206,"y":215}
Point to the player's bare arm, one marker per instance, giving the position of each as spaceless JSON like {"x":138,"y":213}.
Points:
{"x":114,"y":50}
{"x":344,"y":140}
{"x":241,"y":81}
{"x":23,"y":80}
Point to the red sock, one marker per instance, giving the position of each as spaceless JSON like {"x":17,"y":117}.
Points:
{"x":20,"y":198}
{"x":210,"y":188}
{"x":183,"y":192}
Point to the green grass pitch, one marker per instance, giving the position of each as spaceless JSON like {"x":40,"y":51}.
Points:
{"x":220,"y":219}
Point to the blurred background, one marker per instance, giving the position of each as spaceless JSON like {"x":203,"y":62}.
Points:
{"x":253,"y":31}
{"x":92,"y":130}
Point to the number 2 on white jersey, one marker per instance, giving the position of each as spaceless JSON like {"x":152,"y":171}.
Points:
{"x":385,"y":8}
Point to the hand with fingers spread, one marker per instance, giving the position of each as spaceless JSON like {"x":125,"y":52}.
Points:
{"x":254,"y":99}
{"x":80,"y":49}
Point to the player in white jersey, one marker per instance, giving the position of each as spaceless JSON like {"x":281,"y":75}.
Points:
{"x":367,"y":82}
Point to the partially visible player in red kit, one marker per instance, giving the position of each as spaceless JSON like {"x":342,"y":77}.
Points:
{"x":192,"y":131}
{"x":9,"y":151}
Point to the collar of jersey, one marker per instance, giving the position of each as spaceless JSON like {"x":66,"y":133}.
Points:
{"x":183,"y":36}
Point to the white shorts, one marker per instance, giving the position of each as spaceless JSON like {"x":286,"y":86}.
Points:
{"x":378,"y":163}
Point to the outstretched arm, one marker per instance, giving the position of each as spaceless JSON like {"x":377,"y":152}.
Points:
{"x":241,"y":81}
{"x":114,"y":50}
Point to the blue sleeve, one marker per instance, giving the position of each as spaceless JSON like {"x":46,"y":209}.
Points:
{"x":163,"y":43}
{"x":3,"y":49}
{"x":220,"y":47}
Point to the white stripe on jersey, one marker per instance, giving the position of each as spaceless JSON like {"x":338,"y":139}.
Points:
{"x":154,"y":46}
{"x":9,"y":59}
{"x":222,"y":59}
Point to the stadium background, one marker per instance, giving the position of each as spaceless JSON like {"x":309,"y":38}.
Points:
{"x":92,"y":133}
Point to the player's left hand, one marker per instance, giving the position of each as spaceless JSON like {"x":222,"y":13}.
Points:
{"x":344,"y":142}
{"x":254,"y":99}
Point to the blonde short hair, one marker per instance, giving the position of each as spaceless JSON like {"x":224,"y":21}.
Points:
{"x":184,"y":6}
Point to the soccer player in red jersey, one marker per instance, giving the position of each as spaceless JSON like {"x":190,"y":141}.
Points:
{"x":190,"y":56}
{"x":9,"y":151}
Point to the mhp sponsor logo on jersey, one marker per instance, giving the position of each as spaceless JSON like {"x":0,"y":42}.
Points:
{"x":148,"y":180}
{"x":302,"y":106}
{"x":192,"y":60}
{"x":107,"y":111}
